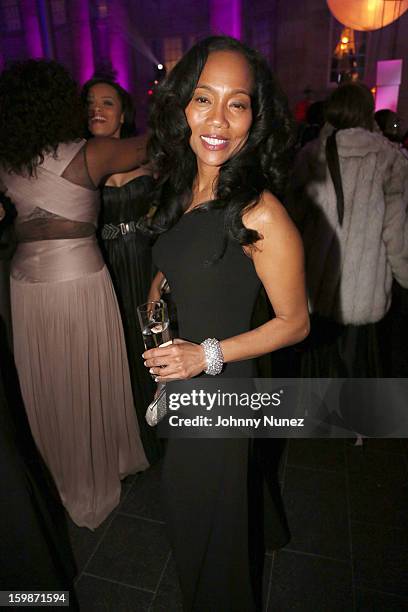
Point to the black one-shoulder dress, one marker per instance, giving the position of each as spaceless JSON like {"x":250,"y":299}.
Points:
{"x":213,"y":487}
{"x":127,"y":253}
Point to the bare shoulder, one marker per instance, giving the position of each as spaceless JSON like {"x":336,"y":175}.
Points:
{"x":100,"y":142}
{"x":268,"y":216}
{"x":106,"y":146}
{"x":98,"y":148}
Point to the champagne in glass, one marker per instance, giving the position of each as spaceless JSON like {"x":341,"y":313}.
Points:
{"x":155,"y":324}
{"x":156,"y":334}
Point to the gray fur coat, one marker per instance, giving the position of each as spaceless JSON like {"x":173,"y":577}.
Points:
{"x":349,"y":268}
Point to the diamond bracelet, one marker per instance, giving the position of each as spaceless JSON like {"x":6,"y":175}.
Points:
{"x":213,"y":356}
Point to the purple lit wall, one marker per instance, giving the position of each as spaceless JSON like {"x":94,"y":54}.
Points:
{"x":32,"y":28}
{"x":119,"y":47}
{"x":46,"y":29}
{"x":388,"y":83}
{"x":226,"y":17}
{"x":102,"y":35}
{"x":82,"y":40}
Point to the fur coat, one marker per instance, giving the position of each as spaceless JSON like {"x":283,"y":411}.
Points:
{"x":350,"y":268}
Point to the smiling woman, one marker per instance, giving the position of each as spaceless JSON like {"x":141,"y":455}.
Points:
{"x":104,"y":110}
{"x":126,"y":250}
{"x":110,"y":109}
{"x":220,"y":114}
{"x":220,"y":163}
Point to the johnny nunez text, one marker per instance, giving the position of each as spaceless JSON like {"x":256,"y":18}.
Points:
{"x":255,"y":423}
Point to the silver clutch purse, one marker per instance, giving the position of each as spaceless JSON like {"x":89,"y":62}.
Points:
{"x":157,"y":409}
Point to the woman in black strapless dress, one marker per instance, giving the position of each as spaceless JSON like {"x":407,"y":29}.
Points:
{"x":220,"y":132}
{"x":127,"y":251}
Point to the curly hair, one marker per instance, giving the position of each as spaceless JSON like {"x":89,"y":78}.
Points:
{"x":262,"y":164}
{"x":40,"y":108}
{"x":128,"y":128}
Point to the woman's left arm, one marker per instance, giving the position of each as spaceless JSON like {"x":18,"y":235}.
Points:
{"x":279,"y":263}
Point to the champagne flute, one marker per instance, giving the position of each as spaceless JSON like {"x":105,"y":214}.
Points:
{"x":154,"y":323}
{"x":155,"y":326}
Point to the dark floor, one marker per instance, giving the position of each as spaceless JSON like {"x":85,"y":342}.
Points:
{"x":347,"y":508}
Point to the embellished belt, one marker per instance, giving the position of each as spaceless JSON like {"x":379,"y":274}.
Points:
{"x":110,"y":231}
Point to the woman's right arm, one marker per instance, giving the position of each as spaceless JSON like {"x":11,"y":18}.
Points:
{"x":154,"y":291}
{"x":105,"y":156}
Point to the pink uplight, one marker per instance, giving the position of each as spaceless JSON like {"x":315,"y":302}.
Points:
{"x":32,"y":28}
{"x":119,"y":48}
{"x":388,"y":83}
{"x":82,"y":40}
{"x":387,"y":97}
{"x":226,"y":17}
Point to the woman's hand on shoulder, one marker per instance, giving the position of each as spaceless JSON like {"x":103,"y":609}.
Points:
{"x":105,"y":156}
{"x":179,"y":361}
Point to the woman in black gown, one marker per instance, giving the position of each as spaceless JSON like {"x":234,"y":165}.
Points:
{"x":127,"y":251}
{"x":35,"y":549}
{"x":220,"y":137}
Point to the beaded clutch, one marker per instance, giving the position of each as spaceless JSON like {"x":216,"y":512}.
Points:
{"x":157,"y":409}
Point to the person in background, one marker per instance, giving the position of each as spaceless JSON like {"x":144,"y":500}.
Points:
{"x":314,"y":122}
{"x":388,"y":123}
{"x":404,"y":142}
{"x":69,"y":347}
{"x":301,"y":108}
{"x":396,"y":321}
{"x":34,"y":542}
{"x":348,"y":201}
{"x":127,"y":251}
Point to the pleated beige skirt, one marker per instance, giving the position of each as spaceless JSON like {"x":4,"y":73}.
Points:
{"x":71,"y":360}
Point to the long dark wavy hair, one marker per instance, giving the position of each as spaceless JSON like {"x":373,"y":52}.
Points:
{"x":261,"y":164}
{"x":128,"y":128}
{"x":349,"y":106}
{"x":40,"y":108}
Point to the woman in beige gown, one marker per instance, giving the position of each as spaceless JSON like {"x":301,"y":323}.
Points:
{"x":68,"y":339}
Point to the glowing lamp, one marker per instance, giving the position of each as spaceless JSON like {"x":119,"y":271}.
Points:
{"x":160,"y":66}
{"x":367,"y":14}
{"x":150,"y":92}
{"x":345,"y":40}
